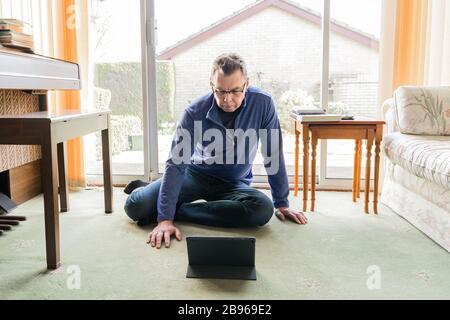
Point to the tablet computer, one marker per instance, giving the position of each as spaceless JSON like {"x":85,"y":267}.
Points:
{"x":221,"y":257}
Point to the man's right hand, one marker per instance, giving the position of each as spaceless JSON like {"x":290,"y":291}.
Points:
{"x":163,"y":231}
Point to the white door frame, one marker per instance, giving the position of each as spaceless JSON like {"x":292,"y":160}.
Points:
{"x":150,"y":116}
{"x":323,"y":181}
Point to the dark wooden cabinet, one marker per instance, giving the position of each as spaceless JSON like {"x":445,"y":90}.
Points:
{"x":22,"y":183}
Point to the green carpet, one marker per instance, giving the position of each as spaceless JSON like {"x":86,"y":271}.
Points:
{"x":327,"y":259}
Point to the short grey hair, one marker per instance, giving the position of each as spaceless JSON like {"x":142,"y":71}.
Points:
{"x":229,"y":63}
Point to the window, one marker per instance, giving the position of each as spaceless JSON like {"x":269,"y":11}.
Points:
{"x":283,"y":57}
{"x":116,"y":83}
{"x":353,"y":79}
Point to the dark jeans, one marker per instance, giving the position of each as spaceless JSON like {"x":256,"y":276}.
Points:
{"x":229,"y":205}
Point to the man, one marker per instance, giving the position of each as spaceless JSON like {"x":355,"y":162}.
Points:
{"x":196,"y":169}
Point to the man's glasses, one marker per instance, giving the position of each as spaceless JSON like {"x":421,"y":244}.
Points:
{"x":235,"y":93}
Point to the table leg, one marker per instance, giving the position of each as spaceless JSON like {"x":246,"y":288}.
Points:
{"x":107,"y":178}
{"x":358,"y":180}
{"x":297,"y":141}
{"x":62,"y":174}
{"x":305,"y":164}
{"x":378,"y":138}
{"x":355,"y":172}
{"x":367,"y":179}
{"x":50,"y":187}
{"x":313,"y":170}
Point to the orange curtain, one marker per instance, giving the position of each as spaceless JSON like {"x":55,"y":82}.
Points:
{"x":66,"y":48}
{"x":410,"y":42}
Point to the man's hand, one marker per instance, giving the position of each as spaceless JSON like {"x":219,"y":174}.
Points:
{"x":163,"y":231}
{"x":295,"y":216}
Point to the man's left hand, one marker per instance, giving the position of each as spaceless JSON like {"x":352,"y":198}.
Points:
{"x":295,"y":216}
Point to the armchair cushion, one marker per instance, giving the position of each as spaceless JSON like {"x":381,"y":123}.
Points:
{"x":423,"y":156}
{"x":423,"y":110}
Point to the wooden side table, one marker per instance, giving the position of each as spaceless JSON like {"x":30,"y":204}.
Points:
{"x":50,"y":131}
{"x":358,"y":130}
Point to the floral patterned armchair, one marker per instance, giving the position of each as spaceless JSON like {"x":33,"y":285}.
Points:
{"x":417,"y":153}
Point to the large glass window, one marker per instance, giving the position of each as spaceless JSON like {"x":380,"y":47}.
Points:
{"x":353,"y":79}
{"x":280,"y":41}
{"x":116,"y":83}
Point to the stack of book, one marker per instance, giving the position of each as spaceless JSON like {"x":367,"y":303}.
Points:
{"x":307,"y":110}
{"x":13,"y":35}
{"x":314,"y":114}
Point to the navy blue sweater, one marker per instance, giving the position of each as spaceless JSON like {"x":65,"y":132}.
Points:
{"x":195,"y":145}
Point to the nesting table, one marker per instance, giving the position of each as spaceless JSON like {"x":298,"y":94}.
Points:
{"x":358,"y":129}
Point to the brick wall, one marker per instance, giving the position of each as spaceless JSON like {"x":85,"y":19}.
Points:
{"x":284,"y":50}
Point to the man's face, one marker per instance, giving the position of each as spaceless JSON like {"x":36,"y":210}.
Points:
{"x":229,"y":90}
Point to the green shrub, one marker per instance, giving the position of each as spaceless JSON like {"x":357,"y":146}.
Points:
{"x":165,"y":87}
{"x":121,"y":128}
{"x":123,"y":81}
{"x":102,"y":98}
{"x":290,"y":100}
{"x":338,"y":108}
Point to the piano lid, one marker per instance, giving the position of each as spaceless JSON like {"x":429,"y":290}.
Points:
{"x":25,"y":71}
